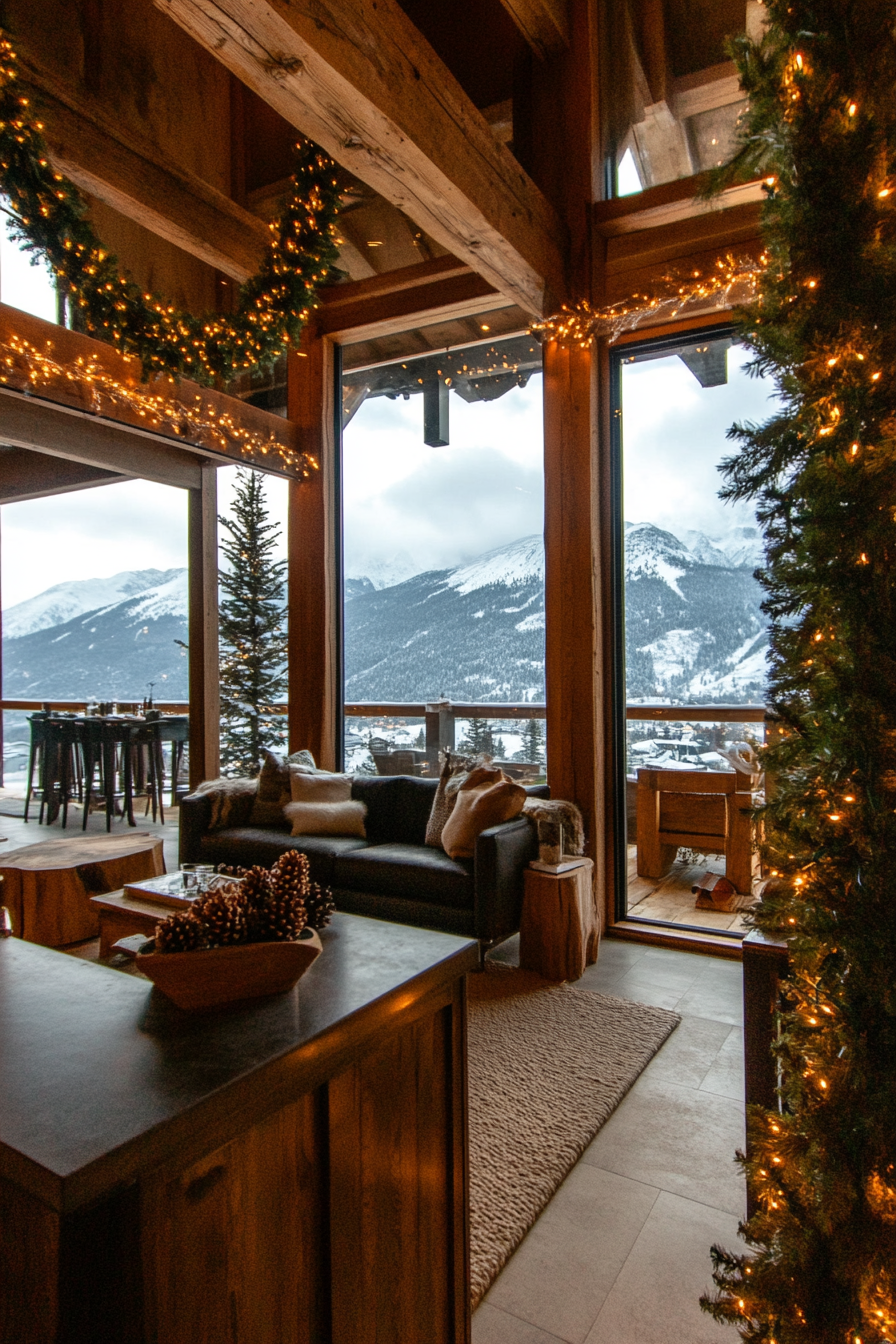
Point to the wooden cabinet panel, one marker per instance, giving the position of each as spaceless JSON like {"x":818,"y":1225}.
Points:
{"x":394,"y":1143}
{"x":246,"y":1223}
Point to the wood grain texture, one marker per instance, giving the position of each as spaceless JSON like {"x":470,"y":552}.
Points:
{"x":543,"y":23}
{"x":204,"y":658}
{"x":315,"y":609}
{"x":48,"y":886}
{"x":85,"y":426}
{"x":359,"y":79}
{"x":428,"y":292}
{"x":131,"y":176}
{"x":575,"y":689}
{"x":560,"y":923}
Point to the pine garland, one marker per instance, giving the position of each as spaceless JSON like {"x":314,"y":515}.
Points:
{"x":821,"y":130}
{"x":50,"y":221}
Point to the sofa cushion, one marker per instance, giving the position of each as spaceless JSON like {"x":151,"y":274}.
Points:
{"x":398,"y":807}
{"x":485,"y":799}
{"x":343,"y":818}
{"x":243,"y":846}
{"x":415,"y":872}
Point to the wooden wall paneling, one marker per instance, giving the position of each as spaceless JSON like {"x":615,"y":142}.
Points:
{"x":205,"y":698}
{"x":363,"y":83}
{"x":315,"y":608}
{"x":716,"y":231}
{"x":429,"y":292}
{"x":247,"y":1222}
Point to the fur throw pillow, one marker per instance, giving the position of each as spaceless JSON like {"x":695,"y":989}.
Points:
{"x":232,"y":801}
{"x":346,"y":818}
{"x":319,"y":787}
{"x":485,"y":799}
{"x":455,"y":769}
{"x":274,"y":787}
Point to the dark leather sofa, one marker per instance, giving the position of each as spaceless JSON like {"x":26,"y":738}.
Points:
{"x":392,"y":874}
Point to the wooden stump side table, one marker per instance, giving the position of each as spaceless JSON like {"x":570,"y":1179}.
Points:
{"x":560,"y":924}
{"x":48,"y":886}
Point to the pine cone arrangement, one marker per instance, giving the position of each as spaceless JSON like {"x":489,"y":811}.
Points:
{"x":262,"y":905}
{"x":319,"y":905}
{"x":181,"y":932}
{"x":225,"y":916}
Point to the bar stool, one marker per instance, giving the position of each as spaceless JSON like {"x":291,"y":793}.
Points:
{"x":37,"y":757}
{"x":63,"y":772}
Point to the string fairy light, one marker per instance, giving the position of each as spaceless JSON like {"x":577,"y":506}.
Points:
{"x":49,"y":219}
{"x":28,"y":369}
{"x":733,"y":280}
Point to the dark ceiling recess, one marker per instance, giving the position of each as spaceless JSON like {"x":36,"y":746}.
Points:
{"x":697,"y":30}
{"x":477,"y":40}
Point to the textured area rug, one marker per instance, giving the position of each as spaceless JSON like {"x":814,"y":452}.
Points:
{"x":548,"y":1065}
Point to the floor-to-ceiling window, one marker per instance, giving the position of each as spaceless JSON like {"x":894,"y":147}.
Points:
{"x":694,"y":634}
{"x":443,"y":558}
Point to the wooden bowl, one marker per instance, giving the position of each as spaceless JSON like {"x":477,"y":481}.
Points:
{"x":218,"y":975}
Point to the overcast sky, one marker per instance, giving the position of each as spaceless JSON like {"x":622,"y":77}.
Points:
{"x":407,"y":507}
{"x":674,"y":435}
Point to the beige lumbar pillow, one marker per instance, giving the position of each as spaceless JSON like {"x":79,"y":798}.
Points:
{"x":486,"y":798}
{"x":344,"y":818}
{"x":320,"y":787}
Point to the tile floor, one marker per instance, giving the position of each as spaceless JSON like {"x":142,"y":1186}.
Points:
{"x":621,"y":1253}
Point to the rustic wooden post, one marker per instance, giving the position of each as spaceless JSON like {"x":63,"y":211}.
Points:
{"x":205,"y":694}
{"x":314,"y":561}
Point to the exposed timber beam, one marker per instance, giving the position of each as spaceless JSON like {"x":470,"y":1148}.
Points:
{"x":62,"y":431}
{"x":361,"y":81}
{"x":28,"y":475}
{"x":132,"y":177}
{"x":704,"y":91}
{"x":69,"y":348}
{"x":543,"y":23}
{"x":431,"y":291}
{"x":669,"y":203}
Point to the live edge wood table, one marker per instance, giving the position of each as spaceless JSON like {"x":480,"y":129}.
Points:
{"x":48,"y":886}
{"x":291,"y":1171}
{"x":559,"y":923}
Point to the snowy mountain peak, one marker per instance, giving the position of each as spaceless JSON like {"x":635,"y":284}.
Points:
{"x":169,"y":598}
{"x":64,"y":601}
{"x":520,"y":562}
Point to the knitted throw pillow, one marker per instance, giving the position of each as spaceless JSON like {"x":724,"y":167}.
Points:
{"x":455,"y":769}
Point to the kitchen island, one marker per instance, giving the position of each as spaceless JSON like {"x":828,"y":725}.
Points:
{"x":281,"y":1172}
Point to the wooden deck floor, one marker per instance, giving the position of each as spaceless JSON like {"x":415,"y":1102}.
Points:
{"x":671,"y":900}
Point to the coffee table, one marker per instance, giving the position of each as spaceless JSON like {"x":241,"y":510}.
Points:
{"x":121,"y":915}
{"x":47,"y":887}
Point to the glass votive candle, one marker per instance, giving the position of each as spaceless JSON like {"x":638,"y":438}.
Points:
{"x":550,"y":842}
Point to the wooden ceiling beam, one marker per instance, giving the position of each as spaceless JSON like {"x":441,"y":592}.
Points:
{"x":543,"y":23}
{"x":129,"y":176}
{"x":181,"y":447}
{"x":25,"y":474}
{"x":428,"y":292}
{"x":359,"y":79}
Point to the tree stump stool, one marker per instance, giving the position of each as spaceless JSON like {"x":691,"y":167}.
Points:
{"x":47,"y":887}
{"x":560,"y":924}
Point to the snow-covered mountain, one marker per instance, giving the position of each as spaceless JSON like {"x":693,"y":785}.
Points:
{"x":64,"y":601}
{"x":694,"y":628}
{"x":110,"y":650}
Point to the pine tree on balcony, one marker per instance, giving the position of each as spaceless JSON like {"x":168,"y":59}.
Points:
{"x":253,"y":631}
{"x":532,"y":743}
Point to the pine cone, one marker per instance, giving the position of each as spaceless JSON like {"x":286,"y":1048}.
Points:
{"x":181,"y":932}
{"x":319,"y":905}
{"x":291,"y":873}
{"x":225,"y":917}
